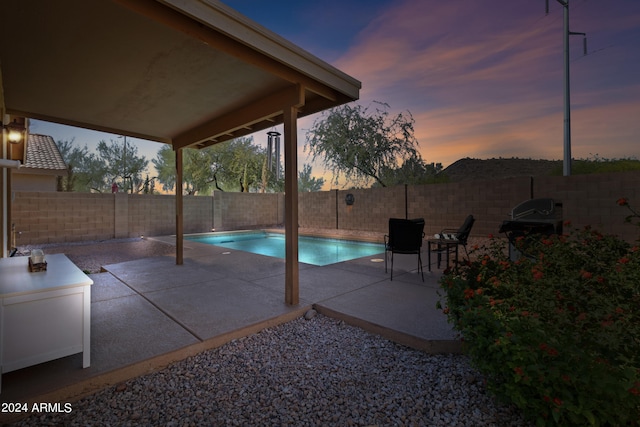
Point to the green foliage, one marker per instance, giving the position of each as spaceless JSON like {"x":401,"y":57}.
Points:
{"x":361,"y":145}
{"x":97,"y":171}
{"x":306,"y":182}
{"x":235,"y":165}
{"x":413,"y":171}
{"x":121,"y":164}
{"x":557,"y":332}
{"x":598,"y":164}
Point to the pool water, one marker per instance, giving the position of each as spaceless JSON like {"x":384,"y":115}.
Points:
{"x":311,"y":250}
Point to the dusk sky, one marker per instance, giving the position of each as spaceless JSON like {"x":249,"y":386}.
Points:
{"x":482,"y":79}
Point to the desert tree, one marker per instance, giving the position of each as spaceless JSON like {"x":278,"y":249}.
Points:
{"x":361,"y":143}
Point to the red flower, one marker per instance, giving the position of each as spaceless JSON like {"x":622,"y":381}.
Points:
{"x":468,"y":293}
{"x":519,"y":371}
{"x":557,"y":401}
{"x":586,"y":275}
{"x":622,"y":201}
{"x":552,"y":352}
{"x":623,"y":260}
{"x":537,"y":274}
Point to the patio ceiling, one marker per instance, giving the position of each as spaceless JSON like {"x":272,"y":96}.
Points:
{"x":187,"y":73}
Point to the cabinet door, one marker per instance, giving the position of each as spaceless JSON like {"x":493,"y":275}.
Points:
{"x":40,"y":327}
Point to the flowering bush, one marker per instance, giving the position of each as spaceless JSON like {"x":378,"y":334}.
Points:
{"x":556,"y":332}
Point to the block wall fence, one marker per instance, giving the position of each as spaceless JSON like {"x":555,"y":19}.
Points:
{"x":56,"y":217}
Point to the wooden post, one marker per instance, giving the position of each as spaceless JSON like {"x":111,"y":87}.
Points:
{"x":292,"y":292}
{"x":179,"y":225}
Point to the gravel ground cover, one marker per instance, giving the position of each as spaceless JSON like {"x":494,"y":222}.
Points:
{"x":318,"y":372}
{"x":92,"y":255}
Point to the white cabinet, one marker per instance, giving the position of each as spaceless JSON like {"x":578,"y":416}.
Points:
{"x":44,"y":315}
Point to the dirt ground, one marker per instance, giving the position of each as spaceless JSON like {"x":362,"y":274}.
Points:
{"x":91,"y":256}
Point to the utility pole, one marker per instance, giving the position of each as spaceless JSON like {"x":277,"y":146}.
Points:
{"x":566,"y":164}
{"x":124,"y":167}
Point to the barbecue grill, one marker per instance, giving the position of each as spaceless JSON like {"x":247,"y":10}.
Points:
{"x":532,"y":217}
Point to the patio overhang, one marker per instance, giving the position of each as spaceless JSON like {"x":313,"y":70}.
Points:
{"x":186,"y":73}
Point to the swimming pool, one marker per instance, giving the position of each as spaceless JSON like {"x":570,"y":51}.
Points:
{"x":311,"y":250}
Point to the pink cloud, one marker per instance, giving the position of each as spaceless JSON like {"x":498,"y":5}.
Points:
{"x":484,"y":79}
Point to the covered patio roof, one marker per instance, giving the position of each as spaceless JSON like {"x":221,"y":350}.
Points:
{"x":189,"y":73}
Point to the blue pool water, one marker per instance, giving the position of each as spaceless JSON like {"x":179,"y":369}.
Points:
{"x":311,"y":250}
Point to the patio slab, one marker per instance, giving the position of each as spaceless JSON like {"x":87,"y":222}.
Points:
{"x":150,"y":312}
{"x":218,"y":307}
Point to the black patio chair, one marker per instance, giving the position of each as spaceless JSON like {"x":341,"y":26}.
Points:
{"x":448,"y":240}
{"x":405,"y":237}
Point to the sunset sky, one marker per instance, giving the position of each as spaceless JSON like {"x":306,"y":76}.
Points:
{"x":482,"y":79}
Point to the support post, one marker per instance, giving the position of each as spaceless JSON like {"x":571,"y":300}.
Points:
{"x":179,"y":203}
{"x":292,"y":292}
{"x":5,"y":189}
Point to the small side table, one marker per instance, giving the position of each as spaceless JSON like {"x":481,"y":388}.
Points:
{"x":440,"y":246}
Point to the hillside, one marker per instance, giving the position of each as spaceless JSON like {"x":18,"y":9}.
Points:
{"x":468,"y":169}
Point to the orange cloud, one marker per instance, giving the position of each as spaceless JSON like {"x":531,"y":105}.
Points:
{"x":486,"y":79}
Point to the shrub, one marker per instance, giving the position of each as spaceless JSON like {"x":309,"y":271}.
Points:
{"x":556,"y":332}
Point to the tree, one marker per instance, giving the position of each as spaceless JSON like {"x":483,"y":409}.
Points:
{"x":413,"y":171}
{"x":122,"y":163}
{"x":308,"y":183}
{"x":85,"y":171}
{"x":236,"y":165}
{"x":361,"y":144}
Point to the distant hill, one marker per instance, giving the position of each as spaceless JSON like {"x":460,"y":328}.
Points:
{"x":468,"y":169}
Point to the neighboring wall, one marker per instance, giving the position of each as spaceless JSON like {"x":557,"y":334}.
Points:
{"x":54,"y":217}
{"x":48,"y":217}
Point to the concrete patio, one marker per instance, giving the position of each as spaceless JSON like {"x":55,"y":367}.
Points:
{"x":151,"y":312}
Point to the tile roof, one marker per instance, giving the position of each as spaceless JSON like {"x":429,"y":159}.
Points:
{"x":43,"y":153}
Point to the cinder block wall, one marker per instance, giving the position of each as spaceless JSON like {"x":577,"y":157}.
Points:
{"x":591,"y":200}
{"x":50,"y":217}
{"x":447,"y":205}
{"x":317,"y":209}
{"x":235,"y":211}
{"x":371,"y":208}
